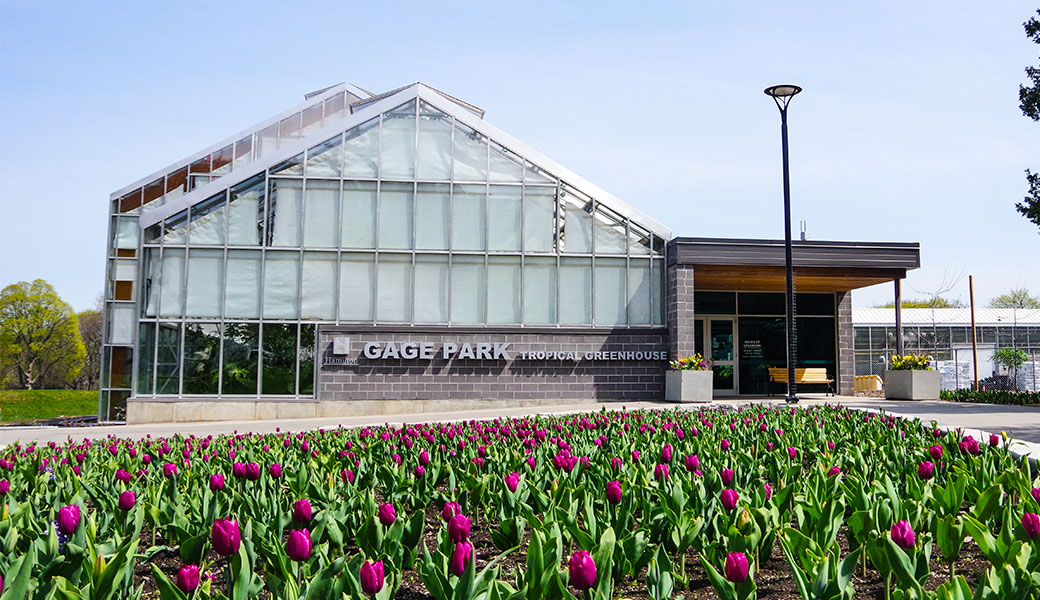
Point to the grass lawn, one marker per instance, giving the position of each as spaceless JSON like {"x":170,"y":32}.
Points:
{"x":28,"y":405}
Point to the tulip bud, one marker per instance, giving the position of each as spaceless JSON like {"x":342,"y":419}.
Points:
{"x":661,"y":472}
{"x":935,"y":452}
{"x":666,"y":453}
{"x":302,"y":511}
{"x":724,"y":444}
{"x":238,"y":470}
{"x":458,"y":528}
{"x":387,"y":514}
{"x":729,"y":498}
{"x":1031,"y":523}
{"x":298,"y":546}
{"x":512,"y":481}
{"x":614,"y":492}
{"x":169,"y":470}
{"x":372,"y":577}
{"x":68,"y":519}
{"x":692,"y":463}
{"x":188,"y":578}
{"x":743,"y":521}
{"x":5,"y":486}
{"x":424,"y":458}
{"x":126,"y":500}
{"x":727,"y":477}
{"x":216,"y":482}
{"x":994,"y":440}
{"x":582,"y":570}
{"x":252,"y":471}
{"x":275,"y":470}
{"x":1036,"y":494}
{"x":450,"y":510}
{"x":737,"y":568}
{"x":792,"y":452}
{"x":925,"y":470}
{"x":769,"y":491}
{"x":225,"y":536}
{"x":903,"y":535}
{"x":461,"y":557}
{"x":834,"y":471}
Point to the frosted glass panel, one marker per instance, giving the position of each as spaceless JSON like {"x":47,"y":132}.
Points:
{"x":657,"y":292}
{"x":504,"y":218}
{"x":242,"y":297}
{"x":540,"y":291}
{"x":395,"y":215}
{"x":432,"y":216}
{"x":175,"y":229}
{"x":122,"y":331}
{"x":467,"y":224}
{"x":503,"y":274}
{"x":639,"y":292}
{"x":205,"y":283}
{"x":171,"y":300}
{"x":326,"y":160}
{"x":208,"y":220}
{"x":611,"y":298}
{"x":611,"y":237}
{"x":318,"y":296}
{"x":470,"y":155}
{"x":356,"y":284}
{"x":246,"y":213}
{"x":431,"y":289}
{"x":539,"y":218}
{"x":358,"y":217}
{"x":152,"y":281}
{"x":504,"y":166}
{"x":575,"y":291}
{"x":125,"y":270}
{"x":638,"y":240}
{"x":434,"y":144}
{"x":321,"y":201}
{"x":398,"y":143}
{"x":467,"y":289}
{"x":283,"y":212}
{"x":127,"y":234}
{"x":577,"y":223}
{"x":394,"y":288}
{"x":361,"y":150}
{"x":281,"y":285}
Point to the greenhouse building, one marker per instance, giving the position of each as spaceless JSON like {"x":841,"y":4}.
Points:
{"x":370,"y":253}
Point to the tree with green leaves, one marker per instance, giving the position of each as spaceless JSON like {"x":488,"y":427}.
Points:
{"x":934,"y":302}
{"x":1016,"y":298}
{"x":1029,"y":103}
{"x":39,"y":336}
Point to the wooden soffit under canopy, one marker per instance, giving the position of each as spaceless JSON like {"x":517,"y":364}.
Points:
{"x":773,"y":279}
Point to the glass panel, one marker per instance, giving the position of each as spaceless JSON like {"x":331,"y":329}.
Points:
{"x":432,"y":216}
{"x":763,"y":344}
{"x":761,"y":304}
{"x":152,"y":282}
{"x":358,"y":217}
{"x":539,"y":218}
{"x":431,"y":289}
{"x":283,"y":212}
{"x":611,"y":298}
{"x":311,"y":119}
{"x":471,"y":153}
{"x":146,"y":359}
{"x":288,"y":130}
{"x":611,"y":237}
{"x":503,"y":297}
{"x":397,"y":151}
{"x":540,"y":291}
{"x":176,"y":229}
{"x":638,"y":239}
{"x":121,"y":328}
{"x":242,"y":296}
{"x":167,"y":371}
{"x":361,"y":150}
{"x":128,"y":233}
{"x":208,"y":220}
{"x":241,"y":345}
{"x":504,"y":217}
{"x":721,"y":340}
{"x":698,"y":336}
{"x":577,"y":223}
{"x":639,"y":292}
{"x":815,"y":304}
{"x":243,"y":151}
{"x":334,"y":108}
{"x":658,"y":245}
{"x":395,"y":215}
{"x":292,"y":166}
{"x":306,"y":358}
{"x":467,"y":222}
{"x":116,"y":409}
{"x":176,"y":183}
{"x":279,"y":357}
{"x":575,"y":291}
{"x":319,"y":214}
{"x":245,"y":214}
{"x":131,"y":202}
{"x":205,"y":283}
{"x":318,"y":297}
{"x":171,"y":301}
{"x":535,"y":174}
{"x":267,"y":140}
{"x":467,"y":289}
{"x":504,"y":166}
{"x":715,"y":303}
{"x":221,"y":160}
{"x":281,"y":285}
{"x":434,"y":143}
{"x":394,"y":288}
{"x":326,"y":160}
{"x":356,"y":283}
{"x":658,"y":291}
{"x":201,"y":358}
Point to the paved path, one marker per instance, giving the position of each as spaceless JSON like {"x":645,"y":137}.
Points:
{"x":1022,"y":423}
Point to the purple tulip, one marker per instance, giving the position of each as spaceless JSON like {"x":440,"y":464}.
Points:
{"x":68,"y":519}
{"x":5,"y":486}
{"x":127,"y":500}
{"x":372,"y":577}
{"x":692,"y":463}
{"x":737,"y":567}
{"x":661,"y":472}
{"x":424,"y":458}
{"x":994,"y":440}
{"x":834,"y":471}
{"x":458,"y":528}
{"x":769,"y":491}
{"x":792,"y":452}
{"x":275,"y":470}
{"x":347,"y":475}
{"x":1036,"y":494}
{"x":387,"y":514}
{"x":450,"y":510}
{"x":188,"y":578}
{"x":727,"y":477}
{"x":903,"y":535}
{"x":724,"y":444}
{"x":216,"y":482}
{"x":582,"y":570}
{"x":729,"y":498}
{"x":122,"y":475}
{"x":169,"y":470}
{"x":298,"y":546}
{"x":935,"y":452}
{"x":461,"y":557}
{"x":226,"y":536}
{"x":614,"y":492}
{"x":925,"y":470}
{"x":238,"y":470}
{"x":302,"y":511}
{"x":666,"y":453}
{"x":512,"y":481}
{"x":252,"y":471}
{"x":420,"y":471}
{"x":1031,"y":523}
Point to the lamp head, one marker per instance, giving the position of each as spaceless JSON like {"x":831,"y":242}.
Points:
{"x":782,"y":94}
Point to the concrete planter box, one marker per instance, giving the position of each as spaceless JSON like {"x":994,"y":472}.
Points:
{"x":687,"y":386}
{"x":912,"y":385}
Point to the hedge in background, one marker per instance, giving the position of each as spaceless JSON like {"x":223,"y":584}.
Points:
{"x":991,"y":396}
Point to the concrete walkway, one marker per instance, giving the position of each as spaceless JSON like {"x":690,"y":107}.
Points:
{"x":979,"y":420}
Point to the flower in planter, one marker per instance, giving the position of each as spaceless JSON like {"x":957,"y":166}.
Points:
{"x":690,"y":363}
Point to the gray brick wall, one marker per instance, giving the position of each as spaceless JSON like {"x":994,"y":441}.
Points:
{"x":516,"y":379}
{"x":846,"y":360}
{"x":679,"y":310}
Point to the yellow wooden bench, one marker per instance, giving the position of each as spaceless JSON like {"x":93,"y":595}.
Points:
{"x":801,"y":376}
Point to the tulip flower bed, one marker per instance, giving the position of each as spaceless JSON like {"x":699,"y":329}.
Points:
{"x":818,"y":503}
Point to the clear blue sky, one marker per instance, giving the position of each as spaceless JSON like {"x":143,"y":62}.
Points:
{"x":908,"y":128}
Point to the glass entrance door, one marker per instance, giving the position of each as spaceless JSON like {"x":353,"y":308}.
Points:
{"x":720,"y":345}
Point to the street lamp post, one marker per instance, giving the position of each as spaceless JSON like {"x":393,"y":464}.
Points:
{"x":782,"y":95}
